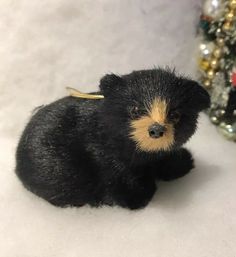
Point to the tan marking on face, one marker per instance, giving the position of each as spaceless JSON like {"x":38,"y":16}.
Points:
{"x":156,"y":113}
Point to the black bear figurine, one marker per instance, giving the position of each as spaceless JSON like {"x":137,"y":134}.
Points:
{"x":112,"y":150}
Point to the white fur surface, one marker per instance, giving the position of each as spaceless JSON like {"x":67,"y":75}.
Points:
{"x":47,"y":45}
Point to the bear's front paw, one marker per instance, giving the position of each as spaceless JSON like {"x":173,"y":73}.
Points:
{"x":135,"y":195}
{"x":175,"y":165}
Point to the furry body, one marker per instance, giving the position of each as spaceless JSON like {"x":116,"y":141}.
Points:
{"x":77,"y":151}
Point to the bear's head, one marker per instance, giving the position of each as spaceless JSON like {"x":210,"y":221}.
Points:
{"x":154,"y":108}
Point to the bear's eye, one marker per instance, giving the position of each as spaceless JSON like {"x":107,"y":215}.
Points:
{"x":174,"y":116}
{"x":136,"y":112}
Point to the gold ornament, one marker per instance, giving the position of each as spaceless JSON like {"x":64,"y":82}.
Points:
{"x":210,"y":74}
{"x":203,"y":64}
{"x":214,"y":63}
{"x":232,"y":4}
{"x":217,"y":52}
{"x":227,"y":26}
{"x":207,"y":83}
{"x":229,"y":16}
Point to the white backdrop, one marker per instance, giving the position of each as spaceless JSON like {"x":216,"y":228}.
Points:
{"x":47,"y":45}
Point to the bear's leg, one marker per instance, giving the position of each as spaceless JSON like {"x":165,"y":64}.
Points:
{"x":133,"y":193}
{"x":174,"y":165}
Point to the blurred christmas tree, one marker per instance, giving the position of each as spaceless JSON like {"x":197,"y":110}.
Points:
{"x":217,"y":62}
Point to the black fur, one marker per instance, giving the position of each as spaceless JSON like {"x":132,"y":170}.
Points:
{"x":78,"y":151}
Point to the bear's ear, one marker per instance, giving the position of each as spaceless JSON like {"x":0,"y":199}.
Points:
{"x":110,"y":84}
{"x":200,"y":98}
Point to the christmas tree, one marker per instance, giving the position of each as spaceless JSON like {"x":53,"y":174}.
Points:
{"x":217,"y":62}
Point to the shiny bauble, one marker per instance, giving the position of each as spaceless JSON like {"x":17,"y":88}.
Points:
{"x":213,"y":8}
{"x":206,"y":49}
{"x":228,"y":130}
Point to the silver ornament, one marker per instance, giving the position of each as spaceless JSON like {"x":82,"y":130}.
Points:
{"x":220,"y":93}
{"x":214,"y":8}
{"x":206,"y":49}
{"x":216,"y":115}
{"x":215,"y":120}
{"x":228,"y":130}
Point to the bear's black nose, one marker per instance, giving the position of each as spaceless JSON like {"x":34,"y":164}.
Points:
{"x":156,"y":130}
